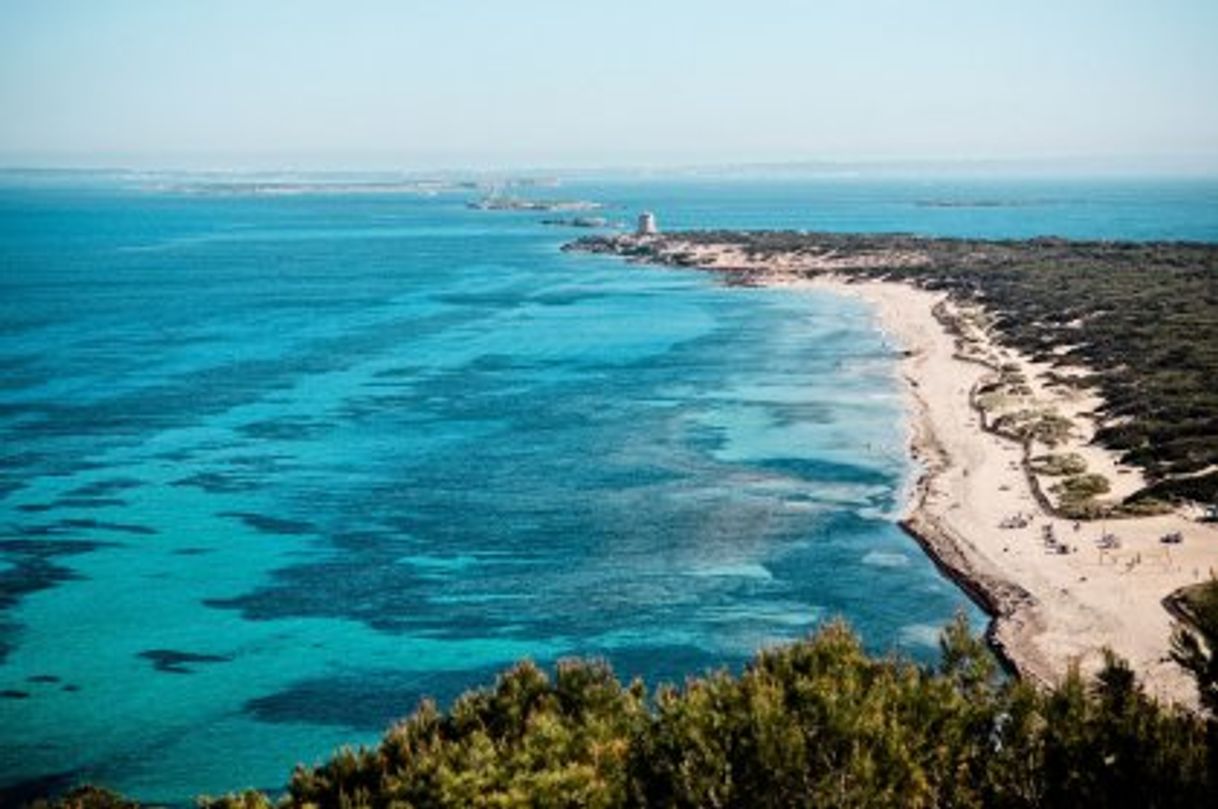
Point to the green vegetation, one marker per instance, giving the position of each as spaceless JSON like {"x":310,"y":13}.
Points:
{"x":1048,"y":428}
{"x":1143,"y":317}
{"x":1143,"y":506}
{"x":818,"y":723}
{"x":1076,"y":496}
{"x":1011,"y":377}
{"x":1196,"y":648}
{"x":1081,"y":487}
{"x":89,"y":797}
{"x":1059,"y":465}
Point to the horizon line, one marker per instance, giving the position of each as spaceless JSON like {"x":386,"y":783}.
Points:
{"x":1196,"y":165}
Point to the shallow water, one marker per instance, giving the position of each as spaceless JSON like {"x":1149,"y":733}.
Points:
{"x":275,"y":468}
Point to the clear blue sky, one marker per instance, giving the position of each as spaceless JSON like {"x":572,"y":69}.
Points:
{"x":502,"y":83}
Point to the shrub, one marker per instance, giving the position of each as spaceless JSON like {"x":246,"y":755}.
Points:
{"x":1080,"y":488}
{"x":1057,"y":465}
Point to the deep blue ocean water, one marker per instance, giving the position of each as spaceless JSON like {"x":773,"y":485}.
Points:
{"x":274,"y":468}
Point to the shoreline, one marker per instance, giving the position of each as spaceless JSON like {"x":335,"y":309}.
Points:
{"x":1003,"y":600}
{"x":980,"y":510}
{"x":1047,"y":611}
{"x":901,"y":316}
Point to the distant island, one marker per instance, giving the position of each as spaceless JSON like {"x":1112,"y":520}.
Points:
{"x":495,"y":192}
{"x":1065,"y":415}
{"x":498,"y":203}
{"x":306,"y":188}
{"x":582,"y":222}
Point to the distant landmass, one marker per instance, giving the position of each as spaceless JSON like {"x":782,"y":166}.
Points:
{"x":520,"y":204}
{"x":583,"y":222}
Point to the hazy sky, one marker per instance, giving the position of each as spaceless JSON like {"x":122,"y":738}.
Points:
{"x":366,"y":83}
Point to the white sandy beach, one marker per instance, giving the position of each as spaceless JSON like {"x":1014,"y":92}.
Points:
{"x":1051,"y":608}
{"x":1077,"y":603}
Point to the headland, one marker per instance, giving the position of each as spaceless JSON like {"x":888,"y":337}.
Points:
{"x":1061,"y":481}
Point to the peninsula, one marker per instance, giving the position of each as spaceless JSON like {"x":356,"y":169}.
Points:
{"x":1063,"y":410}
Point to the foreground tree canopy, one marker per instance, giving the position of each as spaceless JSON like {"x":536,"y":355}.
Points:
{"x":818,"y":723}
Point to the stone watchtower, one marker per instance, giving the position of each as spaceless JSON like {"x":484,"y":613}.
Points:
{"x":647,"y":224}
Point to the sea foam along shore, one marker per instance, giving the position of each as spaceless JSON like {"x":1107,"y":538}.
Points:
{"x":982,"y":517}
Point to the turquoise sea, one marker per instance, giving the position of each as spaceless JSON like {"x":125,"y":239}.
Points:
{"x":273,"y":468}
